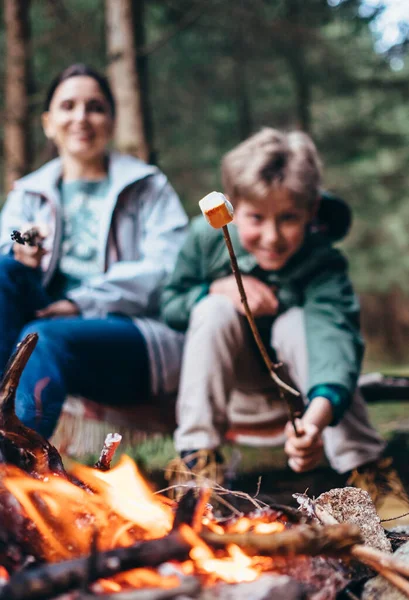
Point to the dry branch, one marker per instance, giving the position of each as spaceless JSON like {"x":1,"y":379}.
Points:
{"x":50,"y":580}
{"x":311,"y":540}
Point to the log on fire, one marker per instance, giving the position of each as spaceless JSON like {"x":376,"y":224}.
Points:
{"x":50,"y":580}
{"x":20,"y":445}
{"x":311,"y":540}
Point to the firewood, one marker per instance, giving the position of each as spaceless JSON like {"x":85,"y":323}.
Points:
{"x":50,"y":580}
{"x":20,"y":445}
{"x":311,"y":540}
{"x":383,"y":563}
{"x":111,"y":443}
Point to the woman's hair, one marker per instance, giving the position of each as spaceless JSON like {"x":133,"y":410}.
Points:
{"x":273,"y":159}
{"x":81,"y":70}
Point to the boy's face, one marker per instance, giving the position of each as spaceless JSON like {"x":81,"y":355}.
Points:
{"x":273,"y":229}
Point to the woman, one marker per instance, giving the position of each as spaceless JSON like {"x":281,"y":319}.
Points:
{"x":111,"y":228}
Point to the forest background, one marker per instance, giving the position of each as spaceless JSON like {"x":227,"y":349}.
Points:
{"x":194,"y":77}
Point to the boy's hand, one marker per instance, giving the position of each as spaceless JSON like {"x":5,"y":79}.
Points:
{"x":261,"y":299}
{"x":304,"y":452}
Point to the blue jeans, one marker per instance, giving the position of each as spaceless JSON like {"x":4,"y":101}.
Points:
{"x":105,"y":360}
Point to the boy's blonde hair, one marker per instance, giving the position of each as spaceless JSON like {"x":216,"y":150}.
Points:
{"x":273,"y":159}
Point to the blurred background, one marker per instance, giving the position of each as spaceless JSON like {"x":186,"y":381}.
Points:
{"x":194,"y":77}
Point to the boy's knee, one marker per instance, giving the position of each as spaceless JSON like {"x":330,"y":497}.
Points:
{"x":216,"y":312}
{"x":288,"y":328}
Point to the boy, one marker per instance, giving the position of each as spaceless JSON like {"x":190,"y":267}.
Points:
{"x":300,"y":294}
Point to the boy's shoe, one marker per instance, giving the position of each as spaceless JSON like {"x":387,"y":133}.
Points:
{"x":197,"y":466}
{"x":382,"y":482}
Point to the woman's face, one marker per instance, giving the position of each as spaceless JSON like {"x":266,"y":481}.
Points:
{"x":79,"y":120}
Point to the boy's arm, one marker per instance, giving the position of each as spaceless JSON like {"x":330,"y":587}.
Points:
{"x":186,"y":286}
{"x":334,"y":343}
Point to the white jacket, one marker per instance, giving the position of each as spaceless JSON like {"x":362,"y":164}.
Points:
{"x":142,"y":227}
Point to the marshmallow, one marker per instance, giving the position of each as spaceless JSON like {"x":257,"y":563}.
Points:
{"x":217,"y":209}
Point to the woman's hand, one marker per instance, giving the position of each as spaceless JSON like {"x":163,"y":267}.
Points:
{"x":31,"y":256}
{"x":261,"y":299}
{"x":61,"y":308}
{"x":28,"y":255}
{"x":304,"y":452}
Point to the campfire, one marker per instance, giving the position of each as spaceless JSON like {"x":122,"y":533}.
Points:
{"x":101,"y":532}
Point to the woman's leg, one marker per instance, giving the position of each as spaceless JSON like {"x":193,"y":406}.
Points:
{"x":21,"y":294}
{"x":105,"y":360}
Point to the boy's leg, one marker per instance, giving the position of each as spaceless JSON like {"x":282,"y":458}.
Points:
{"x":217,"y":358}
{"x":21,"y":294}
{"x":214,"y":338}
{"x":351,"y":443}
{"x":103,"y":359}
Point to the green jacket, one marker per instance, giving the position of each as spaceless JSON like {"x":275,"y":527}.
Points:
{"x":315,"y":278}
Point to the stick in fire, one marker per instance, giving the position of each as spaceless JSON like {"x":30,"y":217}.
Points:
{"x":219,"y":213}
{"x":111,"y":443}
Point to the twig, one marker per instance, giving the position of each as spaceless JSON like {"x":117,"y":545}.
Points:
{"x":269,"y":364}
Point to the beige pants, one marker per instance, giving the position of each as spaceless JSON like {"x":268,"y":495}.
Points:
{"x":223,"y":381}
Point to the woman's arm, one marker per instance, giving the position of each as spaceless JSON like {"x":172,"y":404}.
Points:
{"x":14,"y":215}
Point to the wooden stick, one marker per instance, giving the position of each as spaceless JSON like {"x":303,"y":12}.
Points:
{"x":269,"y":364}
{"x":311,"y":540}
{"x":111,"y":443}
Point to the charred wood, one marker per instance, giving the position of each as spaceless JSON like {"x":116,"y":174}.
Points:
{"x":20,"y":445}
{"x":51,"y":580}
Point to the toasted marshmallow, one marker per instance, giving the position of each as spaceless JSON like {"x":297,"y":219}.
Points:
{"x":217,"y":209}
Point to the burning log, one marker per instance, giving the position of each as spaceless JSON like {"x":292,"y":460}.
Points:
{"x":111,"y":443}
{"x":50,"y":580}
{"x":311,"y":540}
{"x":20,"y":445}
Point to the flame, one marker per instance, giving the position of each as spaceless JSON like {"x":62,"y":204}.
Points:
{"x":120,"y":507}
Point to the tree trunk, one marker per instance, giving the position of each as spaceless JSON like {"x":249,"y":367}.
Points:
{"x":16,"y":129}
{"x":129,"y":134}
{"x":296,"y":58}
{"x":142,"y":67}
